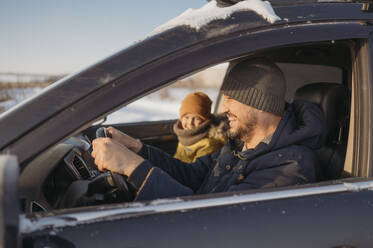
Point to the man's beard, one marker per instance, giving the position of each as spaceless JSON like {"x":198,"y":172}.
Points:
{"x":245,"y":131}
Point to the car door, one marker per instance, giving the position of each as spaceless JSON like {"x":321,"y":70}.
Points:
{"x":328,"y":214}
{"x":334,"y":215}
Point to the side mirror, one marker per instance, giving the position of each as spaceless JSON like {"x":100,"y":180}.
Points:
{"x":9,"y":202}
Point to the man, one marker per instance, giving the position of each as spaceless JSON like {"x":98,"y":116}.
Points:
{"x":268,"y":146}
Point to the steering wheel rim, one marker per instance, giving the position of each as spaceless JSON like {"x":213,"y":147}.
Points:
{"x":119,"y":181}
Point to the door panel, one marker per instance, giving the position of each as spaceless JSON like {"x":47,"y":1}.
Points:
{"x":329,"y":220}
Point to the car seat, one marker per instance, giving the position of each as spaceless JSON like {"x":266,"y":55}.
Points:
{"x":334,"y":100}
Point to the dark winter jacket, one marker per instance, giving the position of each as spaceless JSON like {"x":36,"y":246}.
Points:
{"x":288,"y":159}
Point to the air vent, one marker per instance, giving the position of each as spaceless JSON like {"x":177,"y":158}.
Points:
{"x":36,"y":207}
{"x":81,"y":167}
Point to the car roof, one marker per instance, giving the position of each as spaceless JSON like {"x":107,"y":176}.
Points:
{"x":60,"y":96}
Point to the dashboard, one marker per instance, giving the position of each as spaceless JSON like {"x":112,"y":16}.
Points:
{"x":46,"y":179}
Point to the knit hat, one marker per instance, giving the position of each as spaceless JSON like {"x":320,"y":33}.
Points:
{"x":196,"y":103}
{"x":258,"y":83}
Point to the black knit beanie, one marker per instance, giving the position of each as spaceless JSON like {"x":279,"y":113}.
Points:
{"x":258,"y":83}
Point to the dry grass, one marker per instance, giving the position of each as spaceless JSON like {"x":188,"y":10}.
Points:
{"x":6,"y":88}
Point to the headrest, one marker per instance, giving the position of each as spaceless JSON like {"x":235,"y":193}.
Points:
{"x":334,"y":100}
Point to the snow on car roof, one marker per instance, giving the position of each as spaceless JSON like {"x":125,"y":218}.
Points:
{"x":196,"y":18}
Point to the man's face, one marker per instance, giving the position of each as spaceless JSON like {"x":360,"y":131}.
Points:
{"x":242,"y":118}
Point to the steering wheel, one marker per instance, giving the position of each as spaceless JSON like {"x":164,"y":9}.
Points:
{"x":118,"y":180}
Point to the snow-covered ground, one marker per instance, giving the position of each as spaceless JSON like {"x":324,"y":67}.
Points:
{"x":17,"y":96}
{"x":161,"y":105}
{"x":24,"y":77}
{"x":156,"y":107}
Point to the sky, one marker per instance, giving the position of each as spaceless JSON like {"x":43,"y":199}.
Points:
{"x":62,"y":37}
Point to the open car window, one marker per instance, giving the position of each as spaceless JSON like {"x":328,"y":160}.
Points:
{"x":301,"y":72}
{"x":165,"y":103}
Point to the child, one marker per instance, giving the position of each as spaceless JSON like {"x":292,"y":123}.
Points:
{"x":199,"y":132}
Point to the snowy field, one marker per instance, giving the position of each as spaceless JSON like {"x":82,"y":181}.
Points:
{"x":156,"y":106}
{"x":17,"y":96}
{"x":160,"y":105}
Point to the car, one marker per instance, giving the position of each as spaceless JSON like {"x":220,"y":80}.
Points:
{"x":325,"y":51}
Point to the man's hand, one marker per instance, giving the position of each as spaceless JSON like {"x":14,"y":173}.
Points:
{"x":127,"y":141}
{"x":110,"y":155}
